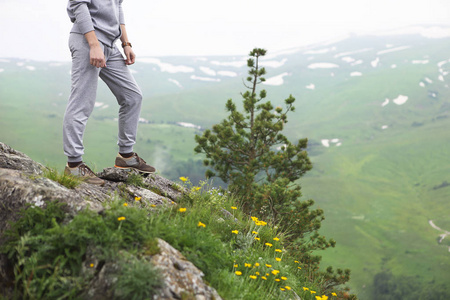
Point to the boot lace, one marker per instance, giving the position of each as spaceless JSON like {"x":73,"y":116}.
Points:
{"x":84,"y":170}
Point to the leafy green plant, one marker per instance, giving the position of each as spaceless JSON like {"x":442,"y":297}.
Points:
{"x":67,"y":180}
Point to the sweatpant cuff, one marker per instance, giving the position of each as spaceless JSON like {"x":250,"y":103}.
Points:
{"x":125,"y":149}
{"x":74,"y":158}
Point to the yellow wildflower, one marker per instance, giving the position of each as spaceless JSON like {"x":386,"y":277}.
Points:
{"x":267,"y":274}
{"x":305,"y":289}
{"x":182,"y":209}
{"x":257,"y":238}
{"x":255,"y":219}
{"x":277,"y":279}
{"x":334,"y":294}
{"x":324,"y":297}
{"x":254,"y":232}
{"x":125,"y":204}
{"x":296,"y":261}
{"x":282,"y":289}
{"x":233,"y":207}
{"x":120,"y":218}
{"x":278,"y":250}
{"x":269,"y":266}
{"x":262,"y":223}
{"x":288,"y":288}
{"x":312,"y":292}
{"x":247,"y":265}
{"x":264,"y":277}
{"x":153,"y":205}
{"x":137,"y":198}
{"x":299,"y":268}
{"x":184,"y":179}
{"x":275,"y":272}
{"x":277,"y":259}
{"x":91,"y":265}
{"x":284,"y":278}
{"x":257,"y":273}
{"x":196,"y":188}
{"x":236,"y":265}
{"x":256,"y":264}
{"x":253,"y":276}
{"x":268,"y":244}
{"x":276,"y":239}
{"x":318,"y":298}
{"x":200,"y":224}
{"x":238,"y":273}
{"x":235,"y":231}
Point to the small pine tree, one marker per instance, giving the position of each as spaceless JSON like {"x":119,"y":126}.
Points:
{"x":248,"y":152}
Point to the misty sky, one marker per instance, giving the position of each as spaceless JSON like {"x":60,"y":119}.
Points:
{"x":39,"y":29}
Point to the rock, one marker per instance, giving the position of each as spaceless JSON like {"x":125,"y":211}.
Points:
{"x":15,"y":160}
{"x":22,"y":183}
{"x":165,"y":187}
{"x":182,"y":280}
{"x":153,"y":182}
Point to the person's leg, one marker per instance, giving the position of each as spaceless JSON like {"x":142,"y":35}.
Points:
{"x":124,"y":87}
{"x":82,"y":98}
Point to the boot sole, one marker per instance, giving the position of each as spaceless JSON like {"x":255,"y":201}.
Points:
{"x":129,"y":168}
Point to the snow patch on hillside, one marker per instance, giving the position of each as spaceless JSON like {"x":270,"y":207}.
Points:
{"x":422,"y":84}
{"x":386,"y":102}
{"x":420,"y":62}
{"x":428,"y":80}
{"x":375,"y":62}
{"x":358,"y":62}
{"x":320,"y":51}
{"x":352,"y":52}
{"x":236,"y":64}
{"x":208,"y":71}
{"x":393,"y":50}
{"x":441,"y":78}
{"x":393,"y":66}
{"x":322,"y":66}
{"x":1,"y":70}
{"x":327,"y":142}
{"x":209,"y":79}
{"x":400,"y":100}
{"x":441,"y":63}
{"x":384,"y":127}
{"x":30,"y":68}
{"x":227,"y":73}
{"x":4,"y":60}
{"x":20,"y":64}
{"x":276,"y":80}
{"x":166,"y":67}
{"x":188,"y":125}
{"x":348,"y":59}
{"x":353,"y":74}
{"x":310,"y":86}
{"x":176,"y":82}
{"x":273,"y":63}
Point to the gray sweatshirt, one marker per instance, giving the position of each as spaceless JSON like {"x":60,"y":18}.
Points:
{"x":103,"y":16}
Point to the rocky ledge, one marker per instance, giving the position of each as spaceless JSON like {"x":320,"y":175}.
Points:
{"x":22,"y":183}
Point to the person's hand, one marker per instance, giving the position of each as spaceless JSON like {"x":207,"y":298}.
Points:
{"x":97,"y":57}
{"x":130,"y":56}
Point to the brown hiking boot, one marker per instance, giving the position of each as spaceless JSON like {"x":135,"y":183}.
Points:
{"x":133,"y":162}
{"x":84,"y":173}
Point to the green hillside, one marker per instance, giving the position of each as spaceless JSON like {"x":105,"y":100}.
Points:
{"x":381,"y":168}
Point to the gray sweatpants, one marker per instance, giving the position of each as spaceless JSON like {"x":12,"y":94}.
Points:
{"x":83,"y":94}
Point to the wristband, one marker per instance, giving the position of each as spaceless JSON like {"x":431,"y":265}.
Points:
{"x":124,"y":44}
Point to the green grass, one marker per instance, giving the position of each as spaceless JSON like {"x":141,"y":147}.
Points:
{"x":69,"y":181}
{"x":56,"y":257}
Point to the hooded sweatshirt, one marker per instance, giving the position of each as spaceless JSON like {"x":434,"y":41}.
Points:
{"x":103,"y":16}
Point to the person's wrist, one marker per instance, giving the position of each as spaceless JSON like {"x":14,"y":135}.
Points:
{"x":126,"y":44}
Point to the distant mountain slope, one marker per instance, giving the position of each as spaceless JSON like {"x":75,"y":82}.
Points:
{"x":376,"y":110}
